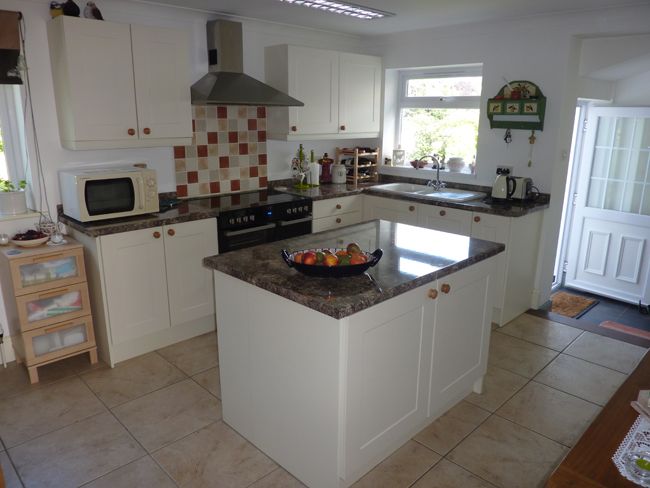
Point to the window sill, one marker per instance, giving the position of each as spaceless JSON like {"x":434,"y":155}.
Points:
{"x":27,"y":215}
{"x":427,"y":174}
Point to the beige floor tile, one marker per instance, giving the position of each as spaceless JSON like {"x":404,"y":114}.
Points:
{"x":132,"y":379}
{"x":210,"y":380}
{"x":74,"y":365}
{"x":446,"y":432}
{"x":75,"y":454}
{"x":550,"y":412}
{"x":518,"y":356}
{"x":278,"y":479}
{"x":10,"y":476}
{"x":215,"y":452}
{"x":400,"y":469}
{"x":580,"y":378}
{"x":508,"y":455}
{"x":446,"y":474}
{"x":14,"y":379}
{"x":166,"y":415}
{"x":43,"y":410}
{"x":607,"y":352}
{"x":541,"y":331}
{"x":498,"y":386}
{"x":143,"y":473}
{"x":193,"y":355}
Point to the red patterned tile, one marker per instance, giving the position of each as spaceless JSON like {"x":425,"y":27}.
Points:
{"x":181,"y":190}
{"x":252,"y":124}
{"x":261,"y":136}
{"x":262,"y":159}
{"x":213,"y":138}
{"x":224,"y":161}
{"x":179,"y":152}
{"x":263,"y":182}
{"x":222,"y":112}
{"x":192,"y":176}
{"x":234,"y":185}
{"x":261,"y":112}
{"x":214,"y":187}
{"x":243,"y":149}
{"x":202,"y":151}
{"x":232,"y":137}
{"x":253,"y":171}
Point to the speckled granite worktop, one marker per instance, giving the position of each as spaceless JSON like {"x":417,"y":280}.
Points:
{"x":413,"y":256}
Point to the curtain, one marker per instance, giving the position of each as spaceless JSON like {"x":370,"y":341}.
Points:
{"x":9,"y":47}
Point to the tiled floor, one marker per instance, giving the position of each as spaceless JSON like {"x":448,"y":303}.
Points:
{"x":155,"y":421}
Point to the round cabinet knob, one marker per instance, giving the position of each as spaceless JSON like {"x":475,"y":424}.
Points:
{"x":294,"y":128}
{"x":433,"y":294}
{"x":477,"y":219}
{"x":338,"y":220}
{"x":342,"y":127}
{"x":131,"y":132}
{"x":445,"y":288}
{"x":412,"y":208}
{"x":146,"y":131}
{"x":156,"y":235}
{"x":443,"y":213}
{"x":338,"y":206}
{"x":171,"y":232}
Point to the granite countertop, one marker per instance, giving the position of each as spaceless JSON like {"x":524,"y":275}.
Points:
{"x":413,"y":256}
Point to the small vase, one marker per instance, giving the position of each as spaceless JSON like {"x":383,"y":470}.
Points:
{"x":13,"y":203}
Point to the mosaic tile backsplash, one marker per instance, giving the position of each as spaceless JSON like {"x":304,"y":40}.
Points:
{"x":228,"y":151}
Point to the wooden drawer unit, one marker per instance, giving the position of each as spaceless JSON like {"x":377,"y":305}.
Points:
{"x":336,"y":206}
{"x":47,"y":303}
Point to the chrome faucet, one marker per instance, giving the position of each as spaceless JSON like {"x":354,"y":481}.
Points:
{"x":437,"y":184}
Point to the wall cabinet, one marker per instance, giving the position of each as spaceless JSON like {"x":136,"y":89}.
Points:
{"x":513,"y":280}
{"x":341,"y":93}
{"x":336,"y":212}
{"x":120,"y":85}
{"x":150,"y":288}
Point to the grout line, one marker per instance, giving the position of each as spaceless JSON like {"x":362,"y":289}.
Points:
{"x":266,"y":475}
{"x":470,"y":472}
{"x":425,"y":473}
{"x":13,"y":465}
{"x":197,"y":430}
{"x":535,"y":343}
{"x":111,"y":471}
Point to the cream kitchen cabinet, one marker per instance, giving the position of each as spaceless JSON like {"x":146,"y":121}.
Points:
{"x":149,"y":288}
{"x":391,"y":209}
{"x":336,"y":212}
{"x":445,"y":219}
{"x":341,"y":93}
{"x":120,"y":85}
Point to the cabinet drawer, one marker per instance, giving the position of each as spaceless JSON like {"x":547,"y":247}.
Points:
{"x":336,"y":206}
{"x":335,"y":221}
{"x":49,"y":307}
{"x":46,"y":271}
{"x":47,"y":343}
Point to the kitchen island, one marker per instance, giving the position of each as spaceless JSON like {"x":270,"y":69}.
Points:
{"x":329,"y":376}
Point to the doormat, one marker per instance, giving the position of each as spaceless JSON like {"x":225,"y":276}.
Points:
{"x":626,"y":329}
{"x":571,"y":305}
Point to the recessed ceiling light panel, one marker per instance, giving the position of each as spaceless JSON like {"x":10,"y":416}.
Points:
{"x":342,"y":8}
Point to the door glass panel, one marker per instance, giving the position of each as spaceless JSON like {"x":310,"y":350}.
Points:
{"x":643,"y":128}
{"x":618,"y":164}
{"x":54,"y":341}
{"x":605,"y":131}
{"x":45,"y":308}
{"x":596,"y":193}
{"x":645,"y":204}
{"x":47,"y":271}
{"x":601,"y":160}
{"x":632,"y":198}
{"x":638,"y":166}
{"x":624,"y":131}
{"x":613,"y":195}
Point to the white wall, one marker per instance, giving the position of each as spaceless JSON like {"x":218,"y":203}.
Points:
{"x":633,"y":91}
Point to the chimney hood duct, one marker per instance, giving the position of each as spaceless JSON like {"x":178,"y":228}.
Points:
{"x":225,"y":83}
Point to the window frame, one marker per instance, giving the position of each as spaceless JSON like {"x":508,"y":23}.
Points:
{"x":12,"y":122}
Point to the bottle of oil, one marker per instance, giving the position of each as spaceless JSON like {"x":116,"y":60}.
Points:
{"x":326,"y":168}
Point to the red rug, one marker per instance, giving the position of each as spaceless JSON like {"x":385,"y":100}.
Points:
{"x":609,"y":324}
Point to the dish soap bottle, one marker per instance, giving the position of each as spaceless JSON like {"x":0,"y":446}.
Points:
{"x":314,"y":170}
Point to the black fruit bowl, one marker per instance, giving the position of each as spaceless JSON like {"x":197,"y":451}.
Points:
{"x":331,"y":271}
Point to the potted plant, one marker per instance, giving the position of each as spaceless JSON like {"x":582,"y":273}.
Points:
{"x":12,"y":199}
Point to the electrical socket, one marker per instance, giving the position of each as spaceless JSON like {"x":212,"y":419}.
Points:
{"x":504,"y":170}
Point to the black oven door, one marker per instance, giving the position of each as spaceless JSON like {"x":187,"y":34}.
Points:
{"x":293,"y":228}
{"x":231,"y":240}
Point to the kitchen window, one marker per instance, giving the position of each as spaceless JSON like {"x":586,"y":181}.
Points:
{"x":438,"y":113}
{"x":12,"y":134}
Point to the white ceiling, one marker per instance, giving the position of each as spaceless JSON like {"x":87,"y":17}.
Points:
{"x":411,"y":14}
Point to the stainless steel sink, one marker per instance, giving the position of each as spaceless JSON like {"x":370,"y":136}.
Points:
{"x":444,"y":194}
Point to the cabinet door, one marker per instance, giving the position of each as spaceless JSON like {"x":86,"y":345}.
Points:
{"x":314,"y":80}
{"x":460,"y":336}
{"x":359,"y":93}
{"x":445,"y":219}
{"x":162,"y":84}
{"x":389,"y":209}
{"x":99,"y":89}
{"x":135,"y":283}
{"x":334,"y":221}
{"x":189,"y":283}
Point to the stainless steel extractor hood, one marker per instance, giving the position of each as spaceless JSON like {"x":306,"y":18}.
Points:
{"x":225,"y":83}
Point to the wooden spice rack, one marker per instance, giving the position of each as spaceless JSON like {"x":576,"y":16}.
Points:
{"x":356,"y":176}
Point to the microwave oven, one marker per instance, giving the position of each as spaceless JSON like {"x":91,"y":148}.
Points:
{"x":90,"y":194}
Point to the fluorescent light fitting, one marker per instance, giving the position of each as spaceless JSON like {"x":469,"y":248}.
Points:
{"x":342,"y":8}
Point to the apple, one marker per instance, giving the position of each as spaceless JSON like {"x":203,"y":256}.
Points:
{"x":331,"y":260}
{"x":309,"y":258}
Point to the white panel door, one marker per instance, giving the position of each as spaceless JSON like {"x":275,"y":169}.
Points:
{"x":135,"y":283}
{"x":445,"y":219}
{"x":191,"y":292}
{"x":162,"y":82}
{"x":399,"y":211}
{"x":314,"y":80}
{"x":496,"y":229}
{"x":360,"y":93}
{"x":610,"y":227}
{"x":101,"y":80}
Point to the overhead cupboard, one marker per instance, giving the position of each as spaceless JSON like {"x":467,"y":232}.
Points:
{"x":341,"y":92}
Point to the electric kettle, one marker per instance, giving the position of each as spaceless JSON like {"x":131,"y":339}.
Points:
{"x":504,"y":187}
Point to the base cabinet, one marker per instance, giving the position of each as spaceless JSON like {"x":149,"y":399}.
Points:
{"x":391,"y":209}
{"x":329,"y":399}
{"x":150,"y":288}
{"x":336,"y":212}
